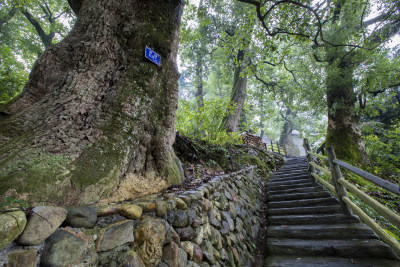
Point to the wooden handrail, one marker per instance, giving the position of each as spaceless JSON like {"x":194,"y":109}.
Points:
{"x":336,"y":175}
{"x":340,"y":186}
{"x":277,"y":148}
{"x":318,"y":156}
{"x":325,"y":183}
{"x":327,"y":172}
{"x":374,"y":226}
{"x":385,"y":212}
{"x":370,"y":177}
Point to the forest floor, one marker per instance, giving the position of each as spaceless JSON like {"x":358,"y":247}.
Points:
{"x":196,"y":175}
{"x":202,"y":161}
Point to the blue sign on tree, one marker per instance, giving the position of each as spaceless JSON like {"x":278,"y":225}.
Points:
{"x":153,"y":56}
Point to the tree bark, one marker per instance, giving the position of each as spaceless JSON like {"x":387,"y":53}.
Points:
{"x":238,"y":95}
{"x":287,"y":129}
{"x":343,"y":131}
{"x":96,"y":120}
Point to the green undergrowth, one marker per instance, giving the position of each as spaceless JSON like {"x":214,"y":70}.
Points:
{"x":204,"y":122}
{"x":11,"y":203}
{"x":227,"y":157}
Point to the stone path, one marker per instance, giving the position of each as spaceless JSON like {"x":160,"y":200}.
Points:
{"x":308,"y":228}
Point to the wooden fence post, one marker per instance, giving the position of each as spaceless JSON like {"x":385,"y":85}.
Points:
{"x":336,"y":175}
{"x":309,"y":157}
{"x":272,"y":146}
{"x":279,"y":150}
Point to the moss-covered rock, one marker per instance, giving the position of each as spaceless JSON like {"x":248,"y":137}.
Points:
{"x":11,"y":226}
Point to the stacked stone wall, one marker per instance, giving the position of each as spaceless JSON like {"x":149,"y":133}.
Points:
{"x":216,"y":224}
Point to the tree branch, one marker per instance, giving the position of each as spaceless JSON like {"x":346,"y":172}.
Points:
{"x":43,"y":36}
{"x":290,"y":71}
{"x":319,"y":31}
{"x":317,"y":59}
{"x":384,"y":34}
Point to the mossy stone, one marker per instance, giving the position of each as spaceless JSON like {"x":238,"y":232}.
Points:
{"x":63,"y":249}
{"x":180,"y":204}
{"x":161,"y":208}
{"x":41,"y":224}
{"x":11,"y":226}
{"x":81,"y":217}
{"x":131,"y":211}
{"x":19,"y":258}
{"x":114,"y":235}
{"x":146,"y":206}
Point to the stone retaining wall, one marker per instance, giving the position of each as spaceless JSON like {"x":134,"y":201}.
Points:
{"x":214,"y":225}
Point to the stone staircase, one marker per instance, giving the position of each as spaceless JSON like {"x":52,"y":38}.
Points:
{"x":308,"y":228}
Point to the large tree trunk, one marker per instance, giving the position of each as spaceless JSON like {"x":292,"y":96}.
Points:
{"x":238,"y":95}
{"x":343,"y":131}
{"x":96,"y":119}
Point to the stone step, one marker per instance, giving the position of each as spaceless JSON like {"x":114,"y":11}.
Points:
{"x":284,"y":187}
{"x":307,"y":226}
{"x":322,"y":231}
{"x":290,"y":182}
{"x":295,"y":164}
{"x":303,"y":203}
{"x":294,"y":196}
{"x":310,"y":261}
{"x":343,"y":248}
{"x":306,"y":210}
{"x":290,"y":171}
{"x":293,"y":167}
{"x":296,"y":161}
{"x":311,"y":219}
{"x":297,"y":190}
{"x":286,"y":178}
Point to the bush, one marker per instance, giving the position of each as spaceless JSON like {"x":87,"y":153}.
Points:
{"x":383,"y":148}
{"x":204,"y":123}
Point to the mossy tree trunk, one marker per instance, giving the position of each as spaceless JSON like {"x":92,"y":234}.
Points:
{"x":96,"y":119}
{"x":287,"y":128}
{"x":230,"y":123}
{"x":343,"y":132}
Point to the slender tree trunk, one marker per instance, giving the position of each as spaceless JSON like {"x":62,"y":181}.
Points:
{"x":343,"y":131}
{"x":238,"y":95}
{"x":199,"y":83}
{"x":96,"y":119}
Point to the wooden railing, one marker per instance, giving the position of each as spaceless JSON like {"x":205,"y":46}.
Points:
{"x":276,"y":148}
{"x":340,"y":186}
